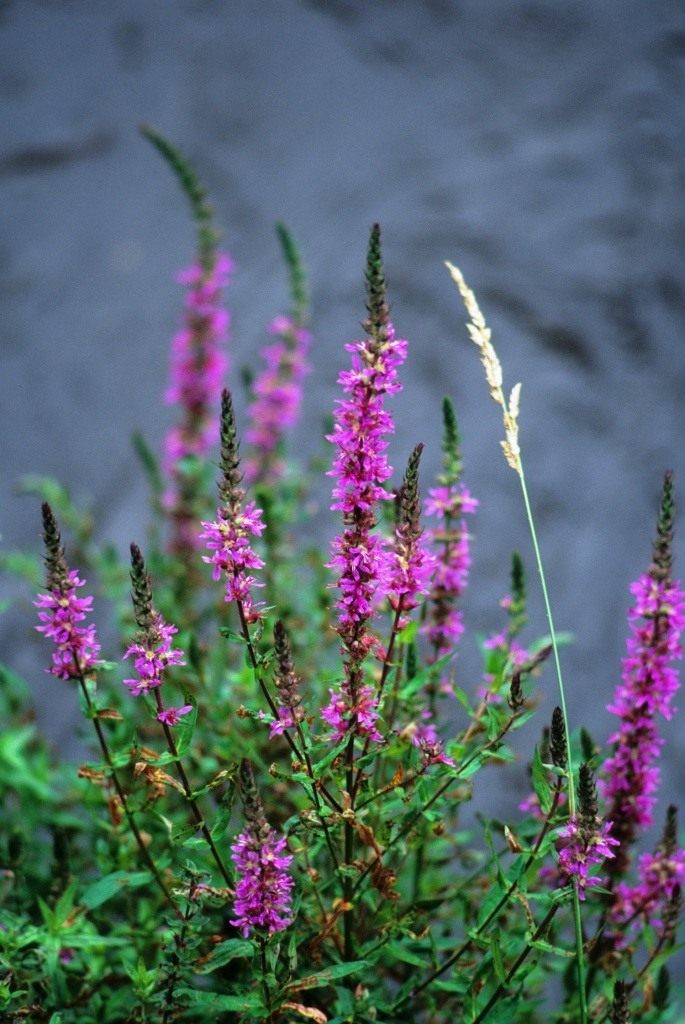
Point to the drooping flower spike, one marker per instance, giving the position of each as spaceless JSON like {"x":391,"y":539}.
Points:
{"x":263,"y":894}
{"x":76,"y":649}
{"x":228,"y":536}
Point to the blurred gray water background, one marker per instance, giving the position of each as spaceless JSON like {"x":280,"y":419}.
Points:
{"x":539,"y":145}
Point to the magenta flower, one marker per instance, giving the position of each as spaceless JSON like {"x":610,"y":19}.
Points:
{"x":648,"y":684}
{"x":76,"y":647}
{"x":199,"y":365}
{"x":411,"y":565}
{"x":228,"y":537}
{"x":153,"y":654}
{"x":263,"y":894}
{"x":585,"y":839}
{"x":583,"y":849}
{"x":342,"y":710}
{"x":264,"y":891}
{"x":172,"y":716}
{"x":360,"y":468}
{"x":451,"y":538}
{"x":658,"y":875}
{"x":61,"y":610}
{"x":424,"y":736}
{"x":278,"y":397}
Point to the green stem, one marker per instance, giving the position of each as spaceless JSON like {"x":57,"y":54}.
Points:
{"x":577,"y":918}
{"x":539,"y":932}
{"x":408,"y":826}
{"x":458,"y":953}
{"x":199,"y":820}
{"x":119,"y":788}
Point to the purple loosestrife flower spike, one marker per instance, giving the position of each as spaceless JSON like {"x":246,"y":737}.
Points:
{"x":586,"y":840}
{"x":290,"y":709}
{"x":648,"y":684}
{"x":152,"y":651}
{"x":449,"y":503}
{"x":411,"y":565}
{"x":199,"y":362}
{"x":557,"y":739}
{"x":278,"y":388}
{"x":659,"y":875}
{"x":360,"y":468}
{"x":263,"y":894}
{"x":228,"y":537}
{"x":61,"y":611}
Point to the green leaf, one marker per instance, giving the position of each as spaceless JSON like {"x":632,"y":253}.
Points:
{"x":249,"y":1002}
{"x":326,"y":977}
{"x":111,"y":885}
{"x":497,"y":958}
{"x":541,"y":785}
{"x":222,"y":954}
{"x":320,"y":766}
{"x":185,"y":730}
{"x":405,"y":955}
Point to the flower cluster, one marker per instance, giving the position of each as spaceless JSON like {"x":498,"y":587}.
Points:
{"x":263,"y":893}
{"x":448,"y":503}
{"x":152,"y":649}
{"x":585,"y":839}
{"x":583,"y":849}
{"x":152,"y":655}
{"x":658,"y":875}
{"x":648,"y":684}
{"x":228,"y":536}
{"x":343,"y":709}
{"x":360,"y":468}
{"x":278,"y":396}
{"x":76,"y":647}
{"x":411,"y":565}
{"x":199,"y":362}
{"x":424,"y":736}
{"x":198,"y":368}
{"x":61,"y":610}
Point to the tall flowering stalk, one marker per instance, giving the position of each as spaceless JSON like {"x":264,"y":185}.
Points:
{"x":76,"y":647}
{"x":198,"y":363}
{"x":648,"y":684}
{"x":360,"y":468}
{"x":152,"y":649}
{"x":228,"y":537}
{"x":75,"y":655}
{"x":449,"y":503}
{"x":278,"y":388}
{"x":153,"y":655}
{"x":411,"y":565}
{"x":263,"y":894}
